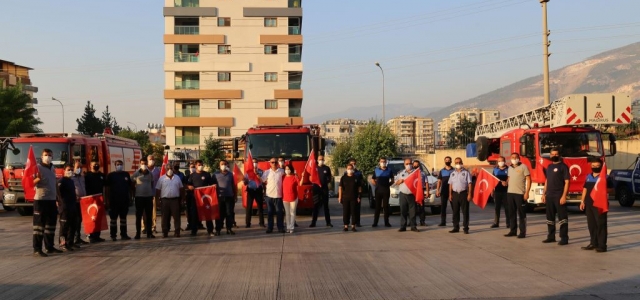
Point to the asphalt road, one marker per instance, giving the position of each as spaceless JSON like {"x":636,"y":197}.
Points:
{"x":326,"y":263}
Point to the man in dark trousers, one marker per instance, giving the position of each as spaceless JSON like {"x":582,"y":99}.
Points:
{"x":554,"y":196}
{"x":442,"y":190}
{"x":45,"y":212}
{"x":381,"y":180}
{"x":255,"y":193}
{"x":407,"y":198}
{"x":517,"y":195}
{"x":420,"y":209}
{"x":119,"y":189}
{"x":227,"y":191}
{"x":360,"y":178}
{"x":501,"y":172}
{"x":596,"y":222}
{"x":321,"y":193}
{"x":94,"y":183}
{"x":198,"y":179}
{"x":460,"y":192}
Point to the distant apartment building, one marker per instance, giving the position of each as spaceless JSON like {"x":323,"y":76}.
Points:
{"x":12,"y":74}
{"x":230,"y":65}
{"x":482,"y":116}
{"x":635,"y":109}
{"x":339,"y":130}
{"x":415,"y":134}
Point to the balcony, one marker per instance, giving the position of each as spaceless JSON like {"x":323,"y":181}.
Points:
{"x":295,"y":112}
{"x":188,"y":113}
{"x":186,"y":57}
{"x":295,"y":85}
{"x":187,"y":140}
{"x":294,"y":30}
{"x":186,"y":3}
{"x":187,"y":85}
{"x":295,"y":57}
{"x":186,"y":30}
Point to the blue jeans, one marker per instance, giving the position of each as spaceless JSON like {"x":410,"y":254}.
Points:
{"x":275,"y":206}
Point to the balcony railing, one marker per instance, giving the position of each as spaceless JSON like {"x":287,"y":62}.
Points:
{"x":192,"y":30}
{"x":294,"y":85}
{"x":188,"y":113}
{"x":295,"y":57}
{"x":186,"y":57}
{"x":294,"y":30}
{"x":187,"y":140}
{"x":295,"y":112}
{"x":187,"y":85}
{"x":186,"y":3}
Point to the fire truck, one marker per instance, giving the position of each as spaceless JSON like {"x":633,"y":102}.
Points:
{"x":67,"y":148}
{"x":572,"y":124}
{"x":292,"y":142}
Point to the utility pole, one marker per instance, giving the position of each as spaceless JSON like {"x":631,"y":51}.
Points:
{"x":384,"y":120}
{"x":545,"y":51}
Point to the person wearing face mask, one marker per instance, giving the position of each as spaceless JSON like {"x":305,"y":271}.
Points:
{"x":94,"y":183}
{"x":281,"y":163}
{"x":596,"y":222}
{"x":501,"y":172}
{"x":460,"y":192}
{"x":554,"y":196}
{"x":321,"y":193}
{"x":358,"y":174}
{"x":189,"y":196}
{"x":45,"y":213}
{"x":199,"y":178}
{"x":517,"y":194}
{"x":349,"y":193}
{"x":382,"y":179}
{"x":170,"y":191}
{"x":155,"y":171}
{"x":272,"y":180}
{"x":226,"y":197}
{"x":420,"y":209}
{"x":118,"y":192}
{"x":290,"y":185}
{"x":68,"y":210}
{"x":81,"y":191}
{"x":143,"y":180}
{"x":254,"y":194}
{"x":442,"y":189}
{"x":407,"y":198}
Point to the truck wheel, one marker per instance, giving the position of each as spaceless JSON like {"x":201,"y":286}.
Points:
{"x":435,"y":210}
{"x":372,"y":200}
{"x":624,"y":196}
{"x":482,"y":148}
{"x":25,"y":211}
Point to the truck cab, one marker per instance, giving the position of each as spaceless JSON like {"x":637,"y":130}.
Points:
{"x":626,"y":184}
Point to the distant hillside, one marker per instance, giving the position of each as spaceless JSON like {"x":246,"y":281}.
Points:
{"x":368,"y":112}
{"x":614,"y":71}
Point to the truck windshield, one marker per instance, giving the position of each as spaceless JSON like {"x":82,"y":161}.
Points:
{"x":571,"y":144}
{"x":287,"y":145}
{"x":60,"y":154}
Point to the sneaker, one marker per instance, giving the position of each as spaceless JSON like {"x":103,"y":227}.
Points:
{"x":217,"y":233}
{"x":521,"y":236}
{"x":269,"y":230}
{"x":247,"y":226}
{"x":230,"y":232}
{"x":151,"y":236}
{"x":466,"y":231}
{"x":423,"y":223}
{"x":345,"y":229}
{"x":39,"y":253}
{"x":374,"y":225}
{"x":547,"y":241}
{"x":65,"y":249}
{"x":53,"y":250}
{"x":80,"y":242}
{"x":387,"y":225}
{"x":114,"y":239}
{"x":354,"y":229}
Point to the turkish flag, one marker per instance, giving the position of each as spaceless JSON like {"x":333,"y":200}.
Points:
{"x":30,"y":171}
{"x":485,"y":183}
{"x":249,"y":170}
{"x":578,"y":171}
{"x":311,"y":168}
{"x":94,"y":217}
{"x":207,"y":203}
{"x":415,"y":185}
{"x":599,"y":192}
{"x":165,"y":164}
{"x":237,"y":174}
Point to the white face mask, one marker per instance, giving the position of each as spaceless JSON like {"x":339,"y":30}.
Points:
{"x":350,"y":171}
{"x":170,"y":173}
{"x":408,"y":167}
{"x":458,"y":166}
{"x":46,"y":159}
{"x":68,"y":173}
{"x":255,"y":165}
{"x":288,"y":172}
{"x":143,"y":167}
{"x":119,"y":168}
{"x":151,"y":163}
{"x":192,"y":170}
{"x":501,"y":164}
{"x":223,"y":168}
{"x":78,"y":171}
{"x":281,"y":164}
{"x":200,"y":168}
{"x":320,"y":162}
{"x":515,"y":161}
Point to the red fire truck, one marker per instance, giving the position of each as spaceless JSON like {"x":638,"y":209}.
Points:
{"x":67,"y":148}
{"x":292,"y":142}
{"x":571,"y":124}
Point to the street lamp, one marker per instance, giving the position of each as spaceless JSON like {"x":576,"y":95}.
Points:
{"x":383,"y":116}
{"x":54,"y":99}
{"x":134,"y":125}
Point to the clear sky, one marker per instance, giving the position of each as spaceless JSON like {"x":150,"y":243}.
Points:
{"x":434,"y":53}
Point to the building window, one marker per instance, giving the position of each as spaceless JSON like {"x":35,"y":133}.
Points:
{"x":224,"y":49}
{"x":224,"y":76}
{"x":270,"y":22}
{"x":224,"y":104}
{"x":224,"y":22}
{"x":270,"y":77}
{"x":224,"y":131}
{"x":271,"y":104}
{"x":270,"y":49}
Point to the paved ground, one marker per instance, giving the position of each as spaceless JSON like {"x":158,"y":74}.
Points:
{"x":326,"y":263}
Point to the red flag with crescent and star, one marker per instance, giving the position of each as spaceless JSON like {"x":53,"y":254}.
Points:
{"x":311,"y":168}
{"x":485,"y":183}
{"x":599,"y":192}
{"x":250,"y":170}
{"x":238,"y":177}
{"x":415,"y":185}
{"x":30,"y":171}
{"x":207,"y":203}
{"x":94,"y":217}
{"x":578,"y":171}
{"x":165,"y":164}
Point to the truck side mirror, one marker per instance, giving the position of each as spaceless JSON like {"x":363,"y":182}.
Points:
{"x":613,"y":149}
{"x":523,"y":150}
{"x":15,"y":151}
{"x":235,"y":146}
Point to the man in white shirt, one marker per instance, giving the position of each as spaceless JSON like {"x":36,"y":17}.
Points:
{"x":170,"y":191}
{"x":272,"y":180}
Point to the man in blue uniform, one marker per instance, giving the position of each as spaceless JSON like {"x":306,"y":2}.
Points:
{"x":381,"y":180}
{"x":460,"y":194}
{"x":255,"y":193}
{"x":501,"y":172}
{"x":554,"y":196}
{"x":119,"y":188}
{"x":596,"y":222}
{"x":442,"y":190}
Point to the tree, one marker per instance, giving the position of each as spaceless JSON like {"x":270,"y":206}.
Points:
{"x":16,"y":112}
{"x":89,"y":124}
{"x":460,"y":136}
{"x":213,"y":152}
{"x":341,"y":154}
{"x":109,"y":121}
{"x":140,"y":136}
{"x":155,"y":149}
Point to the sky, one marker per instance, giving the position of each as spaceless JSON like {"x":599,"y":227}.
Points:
{"x":434,"y":53}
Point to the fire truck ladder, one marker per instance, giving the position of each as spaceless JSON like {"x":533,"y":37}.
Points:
{"x":541,"y":116}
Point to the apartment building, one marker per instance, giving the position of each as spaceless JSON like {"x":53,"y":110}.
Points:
{"x":415,"y":134}
{"x":635,"y":109}
{"x":12,"y":74}
{"x":339,"y":130}
{"x":482,"y":116}
{"x":230,"y":65}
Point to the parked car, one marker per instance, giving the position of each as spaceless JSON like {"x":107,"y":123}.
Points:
{"x":626,"y":183}
{"x":396,"y":165}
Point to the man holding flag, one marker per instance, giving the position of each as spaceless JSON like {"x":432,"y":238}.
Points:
{"x":255,"y":189}
{"x":320,"y":188}
{"x":409,"y":195}
{"x":596,"y":203}
{"x":45,"y":214}
{"x":199,"y":179}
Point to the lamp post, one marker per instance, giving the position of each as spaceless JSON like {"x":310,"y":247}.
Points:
{"x":383,"y":116}
{"x":54,"y":99}
{"x":134,"y":125}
